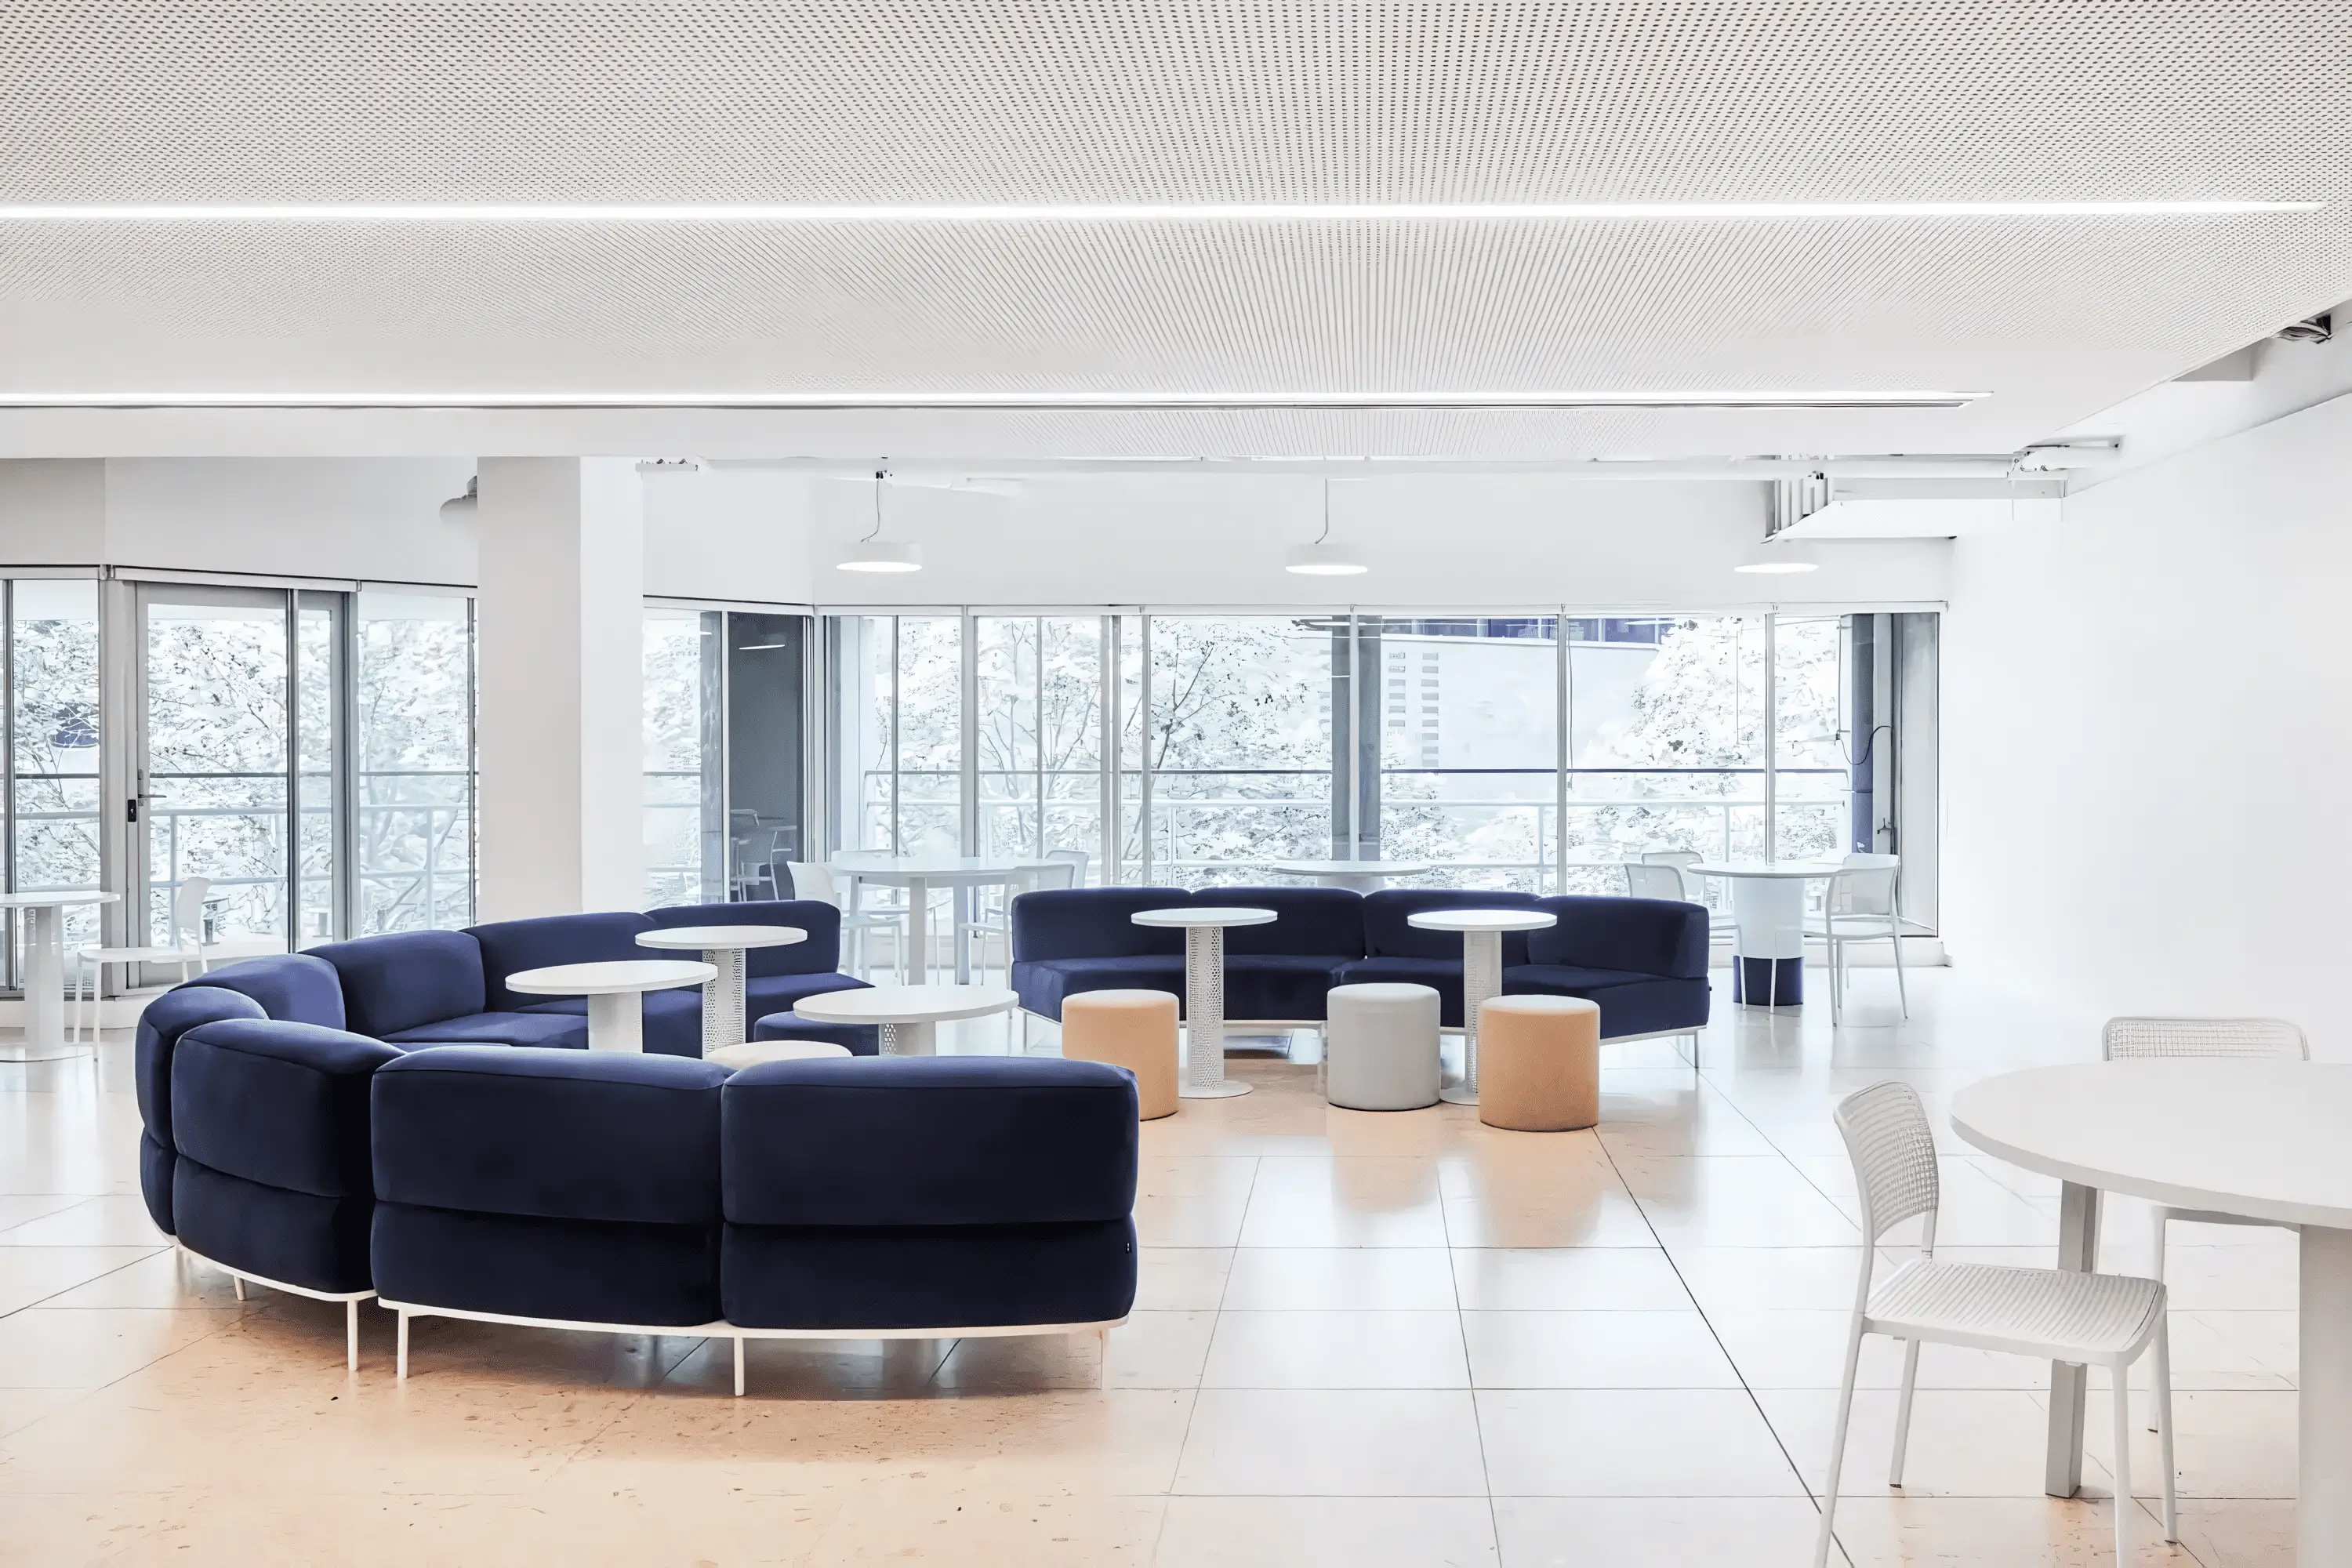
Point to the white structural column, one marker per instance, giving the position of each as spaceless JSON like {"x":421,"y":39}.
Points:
{"x":561,"y":708}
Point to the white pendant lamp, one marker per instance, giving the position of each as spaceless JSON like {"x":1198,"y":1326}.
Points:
{"x":1323,"y":558}
{"x":1776,"y":555}
{"x":876,"y":554}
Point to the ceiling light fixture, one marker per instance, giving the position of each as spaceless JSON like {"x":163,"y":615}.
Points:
{"x":1538,"y":398}
{"x":876,"y":554}
{"x":772,"y":213}
{"x":1323,"y":558}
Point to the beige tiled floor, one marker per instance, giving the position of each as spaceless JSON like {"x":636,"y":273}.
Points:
{"x":1360,"y":1340}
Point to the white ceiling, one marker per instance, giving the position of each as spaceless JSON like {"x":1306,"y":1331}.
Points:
{"x":994,"y":101}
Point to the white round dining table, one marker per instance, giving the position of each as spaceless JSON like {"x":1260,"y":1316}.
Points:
{"x":919,"y":874}
{"x":2261,"y":1139}
{"x":45,"y":972}
{"x":615,"y":991}
{"x":723,"y":948}
{"x":1204,"y":992}
{"x":1364,"y":876}
{"x":1767,"y":901}
{"x":1482,"y":973}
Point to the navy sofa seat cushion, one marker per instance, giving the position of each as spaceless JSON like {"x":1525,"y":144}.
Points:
{"x":1095,"y":922}
{"x":1630,"y":1004}
{"x":161,"y":1027}
{"x":292,"y":988}
{"x":672,"y":1018}
{"x":858,"y":1039}
{"x":293,"y":1238}
{"x":282,"y":1104}
{"x":1442,"y":975}
{"x":1283,"y":988}
{"x":1389,"y":934}
{"x":766,"y":994}
{"x":820,"y":954}
{"x":509,"y":946}
{"x":596,"y":1271}
{"x":554,"y":1031}
{"x":1321,"y":922}
{"x":589,"y":1135}
{"x":406,"y":979}
{"x":1042,"y":984}
{"x":929,"y":1140}
{"x":831,"y":1277}
{"x":1649,"y":936}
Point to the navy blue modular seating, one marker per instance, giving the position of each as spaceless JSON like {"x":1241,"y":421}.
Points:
{"x":1642,"y":961}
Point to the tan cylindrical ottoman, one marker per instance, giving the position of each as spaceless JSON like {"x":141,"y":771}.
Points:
{"x":1538,"y":1063}
{"x":1132,"y":1029}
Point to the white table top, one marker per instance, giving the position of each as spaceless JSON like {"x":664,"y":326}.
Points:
{"x":1351,"y":868}
{"x":52,"y":900}
{"x":1806,"y":869}
{"x":906,"y":1003}
{"x":2261,"y":1139}
{"x":707,"y":939}
{"x":1481,"y":919}
{"x":610,"y":978}
{"x":931,"y":868}
{"x":1203,"y":916}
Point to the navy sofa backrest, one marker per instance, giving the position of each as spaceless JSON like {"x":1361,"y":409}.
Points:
{"x":1386,"y":935}
{"x":162,"y":1024}
{"x":406,"y":979}
{"x":511,"y":946}
{"x":1311,"y":923}
{"x":1093,"y":922}
{"x":820,"y":955}
{"x":1650,"y":936}
{"x":292,"y":988}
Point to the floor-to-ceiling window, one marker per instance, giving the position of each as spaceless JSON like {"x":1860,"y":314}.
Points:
{"x":897,"y":727}
{"x":412,"y":710}
{"x":685,"y":823}
{"x":1038,"y":762}
{"x":54,"y":719}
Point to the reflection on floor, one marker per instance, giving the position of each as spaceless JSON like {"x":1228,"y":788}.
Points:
{"x":1362,"y":1339}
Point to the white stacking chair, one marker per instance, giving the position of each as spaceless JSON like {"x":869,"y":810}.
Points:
{"x":2049,"y":1314}
{"x":1059,"y":869}
{"x":1699,"y":890}
{"x":811,"y":880}
{"x":187,"y":920}
{"x":1653,"y":882}
{"x":1860,"y":906}
{"x":2251,"y":1040}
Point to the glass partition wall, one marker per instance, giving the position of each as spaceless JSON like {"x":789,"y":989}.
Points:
{"x":1537,"y":751}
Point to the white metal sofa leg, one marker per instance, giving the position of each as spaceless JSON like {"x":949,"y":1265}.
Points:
{"x":739,"y":1366}
{"x":351,"y":1334}
{"x":402,"y":1359}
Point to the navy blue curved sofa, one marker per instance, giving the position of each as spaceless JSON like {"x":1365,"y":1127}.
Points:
{"x":1642,"y":961}
{"x":285,"y":1142}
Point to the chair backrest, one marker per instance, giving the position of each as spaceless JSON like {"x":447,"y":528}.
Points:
{"x":1865,"y":885}
{"x":813,"y":882}
{"x":1894,"y":1155}
{"x":1077,"y":861}
{"x":2251,"y":1038}
{"x":1652,"y":881}
{"x":1671,"y":856}
{"x":1056,"y":871}
{"x":188,"y":910}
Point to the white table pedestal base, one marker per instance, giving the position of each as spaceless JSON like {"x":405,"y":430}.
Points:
{"x":1204,"y":1018}
{"x":1481,"y":977}
{"x":723,"y":1000}
{"x":1771,"y":916}
{"x":2323,"y":1508}
{"x":616,"y":1021}
{"x":45,"y":991}
{"x":916,"y":1039}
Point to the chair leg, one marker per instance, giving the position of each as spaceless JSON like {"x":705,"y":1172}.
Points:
{"x":1837,"y":984}
{"x":2164,"y":1414}
{"x":1902,"y":991}
{"x":2158,"y":1419}
{"x":2125,"y":1506}
{"x":1903,"y":1411}
{"x":1837,"y":1444}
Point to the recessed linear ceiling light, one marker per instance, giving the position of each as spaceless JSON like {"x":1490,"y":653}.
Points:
{"x":1657,"y":397}
{"x":1111,"y":212}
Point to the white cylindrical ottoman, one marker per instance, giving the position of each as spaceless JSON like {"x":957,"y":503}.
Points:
{"x":1381,"y":1047}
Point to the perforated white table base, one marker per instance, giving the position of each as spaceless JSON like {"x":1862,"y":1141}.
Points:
{"x":1204,"y":1018}
{"x":915,"y":1039}
{"x":723,"y":1000}
{"x":1481,"y":977}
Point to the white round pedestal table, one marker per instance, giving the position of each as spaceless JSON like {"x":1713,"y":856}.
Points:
{"x":2261,"y":1139}
{"x":919,"y":874}
{"x":1482,"y":973}
{"x":1364,"y":876}
{"x":910,"y":1015}
{"x":45,"y":973}
{"x":1204,"y":993}
{"x":723,"y":948}
{"x":616,"y":1011}
{"x":1767,"y":899}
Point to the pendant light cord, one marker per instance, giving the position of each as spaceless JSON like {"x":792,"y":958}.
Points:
{"x":876,"y":531}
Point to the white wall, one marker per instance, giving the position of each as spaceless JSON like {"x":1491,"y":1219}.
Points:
{"x":2148,"y":731}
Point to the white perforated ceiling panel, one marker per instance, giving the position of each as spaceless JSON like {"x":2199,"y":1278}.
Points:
{"x":1174,"y":100}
